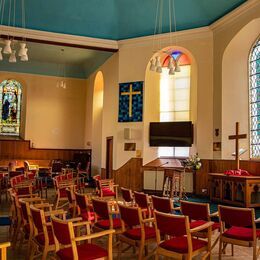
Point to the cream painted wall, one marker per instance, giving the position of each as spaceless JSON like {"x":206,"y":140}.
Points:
{"x":235,"y":87}
{"x":130,"y":64}
{"x":224,"y":31}
{"x":55,"y":117}
{"x":97,"y":119}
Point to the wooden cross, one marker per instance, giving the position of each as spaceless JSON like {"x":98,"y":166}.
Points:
{"x":236,"y":137}
{"x":130,"y":94}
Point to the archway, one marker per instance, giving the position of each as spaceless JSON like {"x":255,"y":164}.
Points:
{"x":98,"y":95}
{"x":235,"y":89}
{"x":152,"y":104}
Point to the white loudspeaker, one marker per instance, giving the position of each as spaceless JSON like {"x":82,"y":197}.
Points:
{"x":128,"y":133}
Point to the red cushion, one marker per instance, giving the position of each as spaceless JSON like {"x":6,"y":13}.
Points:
{"x":198,"y":223}
{"x":41,"y":239}
{"x":63,"y":193}
{"x":105,"y":224}
{"x":241,"y":233}
{"x":108,"y":192}
{"x":180,"y":244}
{"x":135,"y":233}
{"x":85,"y":252}
{"x":89,"y":216}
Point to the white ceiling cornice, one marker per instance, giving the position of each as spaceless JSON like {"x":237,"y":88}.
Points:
{"x":168,"y":38}
{"x":230,"y":17}
{"x":59,"y":38}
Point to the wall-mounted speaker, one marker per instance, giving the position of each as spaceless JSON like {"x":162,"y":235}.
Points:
{"x":128,"y":133}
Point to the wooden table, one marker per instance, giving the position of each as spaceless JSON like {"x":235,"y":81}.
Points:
{"x":235,"y":190}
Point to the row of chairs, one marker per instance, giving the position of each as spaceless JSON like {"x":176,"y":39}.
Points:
{"x":235,"y":226}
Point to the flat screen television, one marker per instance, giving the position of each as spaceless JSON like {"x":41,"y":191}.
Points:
{"x":174,"y":134}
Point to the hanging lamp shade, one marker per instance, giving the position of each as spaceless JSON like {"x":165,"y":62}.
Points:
{"x":1,"y":55}
{"x":159,"y":69}
{"x":177,"y":67}
{"x":171,"y":71}
{"x":22,"y":51}
{"x":7,"y":48}
{"x":170,"y":64}
{"x":157,"y":62}
{"x":12,"y":58}
{"x":25,"y":56}
{"x":152,"y":65}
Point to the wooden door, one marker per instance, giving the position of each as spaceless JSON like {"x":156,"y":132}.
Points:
{"x":109,"y":157}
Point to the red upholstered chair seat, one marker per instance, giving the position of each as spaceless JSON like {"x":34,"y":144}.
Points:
{"x":107,"y":192}
{"x":105,"y":224}
{"x":41,"y":239}
{"x":180,"y":244}
{"x":135,"y":233}
{"x":197,"y":223}
{"x":63,"y":193}
{"x":241,"y":233}
{"x":89,"y":216}
{"x":85,"y":252}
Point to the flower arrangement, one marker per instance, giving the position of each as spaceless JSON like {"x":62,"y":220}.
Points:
{"x":193,"y":162}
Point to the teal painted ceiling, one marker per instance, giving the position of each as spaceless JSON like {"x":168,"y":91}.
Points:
{"x":46,"y":59}
{"x":105,"y":19}
{"x":115,"y":19}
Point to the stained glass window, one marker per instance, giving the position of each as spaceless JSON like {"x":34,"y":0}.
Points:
{"x":254,"y":100}
{"x":10,"y":107}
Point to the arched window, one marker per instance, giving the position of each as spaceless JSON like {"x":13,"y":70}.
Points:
{"x":175,"y":98}
{"x":254,"y":100}
{"x":10,"y":107}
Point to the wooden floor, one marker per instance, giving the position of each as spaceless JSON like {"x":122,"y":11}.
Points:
{"x":242,"y":253}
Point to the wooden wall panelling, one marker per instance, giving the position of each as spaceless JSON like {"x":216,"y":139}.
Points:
{"x":21,"y":150}
{"x":130,"y":175}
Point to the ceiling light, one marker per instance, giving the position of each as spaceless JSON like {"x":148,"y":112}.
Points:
{"x":7,"y":48}
{"x":173,"y":65}
{"x":12,"y":58}
{"x":25,"y":56}
{"x":9,"y":8}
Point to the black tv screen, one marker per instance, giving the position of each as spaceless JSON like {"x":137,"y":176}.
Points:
{"x":175,"y":134}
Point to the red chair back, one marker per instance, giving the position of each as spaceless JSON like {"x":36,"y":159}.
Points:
{"x":195,"y":211}
{"x":61,"y":231}
{"x":141,"y":199}
{"x":127,"y":195}
{"x":70,"y":195}
{"x":14,"y":173}
{"x":37,"y":218}
{"x":170,"y":224}
{"x":31,"y":175}
{"x":101,"y":208}
{"x":81,"y":201}
{"x":130,"y":215}
{"x":162,"y":204}
{"x":24,"y":211}
{"x":239,"y":217}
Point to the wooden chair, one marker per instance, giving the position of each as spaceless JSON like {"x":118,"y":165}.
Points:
{"x":3,"y":249}
{"x":127,"y":196}
{"x":107,"y":189}
{"x":67,"y":242}
{"x":143,"y":202}
{"x":136,"y":231}
{"x":61,"y":183}
{"x":165,"y":205}
{"x":178,"y":242}
{"x":26,"y":229}
{"x":237,"y":227}
{"x":85,"y":209}
{"x":43,"y":239}
{"x":199,"y":214}
{"x":104,"y":212}
{"x":72,"y":201}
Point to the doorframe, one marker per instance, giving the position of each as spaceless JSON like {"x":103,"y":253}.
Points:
{"x":109,"y":138}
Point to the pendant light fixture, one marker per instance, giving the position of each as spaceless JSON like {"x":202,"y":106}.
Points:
{"x":9,"y":9}
{"x":62,"y":67}
{"x":155,"y":63}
